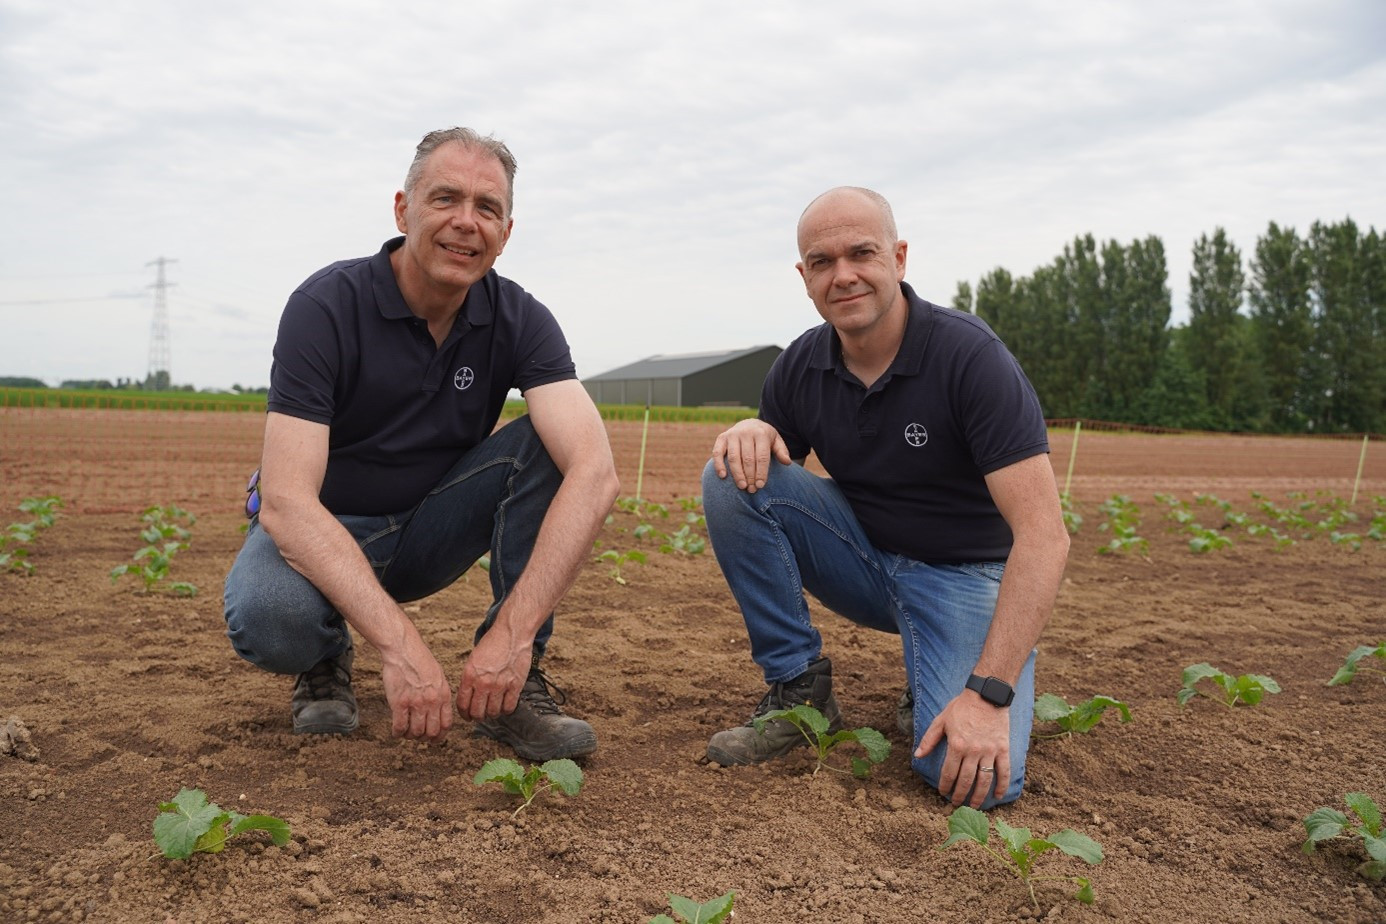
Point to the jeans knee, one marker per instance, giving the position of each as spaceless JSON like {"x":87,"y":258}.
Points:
{"x":280,"y":638}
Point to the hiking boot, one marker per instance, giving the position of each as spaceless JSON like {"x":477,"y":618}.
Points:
{"x":323,"y":703}
{"x":745,"y":745}
{"x":904,"y":713}
{"x":537,"y":729}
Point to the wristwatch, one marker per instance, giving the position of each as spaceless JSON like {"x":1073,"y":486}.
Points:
{"x":997,"y":692}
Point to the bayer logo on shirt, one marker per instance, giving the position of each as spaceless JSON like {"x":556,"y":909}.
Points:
{"x":916,"y":435}
{"x":463,"y":378}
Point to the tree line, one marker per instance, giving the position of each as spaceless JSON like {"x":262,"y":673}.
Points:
{"x":1293,"y":341}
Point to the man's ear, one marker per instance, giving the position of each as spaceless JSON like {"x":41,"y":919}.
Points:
{"x":401,"y":207}
{"x":900,"y":248}
{"x":505,"y":235}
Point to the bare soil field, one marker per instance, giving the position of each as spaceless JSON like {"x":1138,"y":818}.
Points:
{"x":127,"y":697}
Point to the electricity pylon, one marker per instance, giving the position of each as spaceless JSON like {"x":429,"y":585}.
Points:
{"x":160,"y":359}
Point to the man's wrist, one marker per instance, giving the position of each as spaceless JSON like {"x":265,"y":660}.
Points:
{"x":992,"y":689}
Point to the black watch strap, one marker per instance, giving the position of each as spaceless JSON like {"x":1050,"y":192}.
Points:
{"x":997,"y":692}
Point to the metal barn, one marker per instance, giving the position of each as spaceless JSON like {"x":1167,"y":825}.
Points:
{"x":730,"y":379}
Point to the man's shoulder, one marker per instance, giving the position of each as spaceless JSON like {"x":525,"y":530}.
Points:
{"x":951,"y":322}
{"x":355,"y":273}
{"x":812,"y":344}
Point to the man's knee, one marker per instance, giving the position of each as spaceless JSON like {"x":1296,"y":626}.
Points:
{"x":276,"y":619}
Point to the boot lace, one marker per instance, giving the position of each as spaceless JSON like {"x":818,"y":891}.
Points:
{"x":542,"y":694}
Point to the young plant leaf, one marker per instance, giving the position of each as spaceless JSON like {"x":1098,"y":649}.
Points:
{"x":1321,"y":824}
{"x":564,"y":774}
{"x":182,"y":822}
{"x":1348,"y":671}
{"x":277,"y":828}
{"x":966,"y":824}
{"x":1077,"y":845}
{"x":1365,"y":809}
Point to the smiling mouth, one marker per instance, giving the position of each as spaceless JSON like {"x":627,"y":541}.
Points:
{"x":460,"y":251}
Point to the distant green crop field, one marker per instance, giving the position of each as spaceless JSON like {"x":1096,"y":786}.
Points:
{"x":118,"y":400}
{"x":132,"y":400}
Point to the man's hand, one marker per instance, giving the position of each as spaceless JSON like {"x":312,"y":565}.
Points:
{"x":978,"y":735}
{"x":745,"y":451}
{"x":417,"y":690}
{"x":495,"y":673}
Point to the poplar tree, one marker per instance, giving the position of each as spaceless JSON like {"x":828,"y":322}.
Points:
{"x":1214,"y":345}
{"x":1283,"y":324}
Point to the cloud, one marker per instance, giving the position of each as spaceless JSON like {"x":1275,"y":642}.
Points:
{"x":665,"y":151}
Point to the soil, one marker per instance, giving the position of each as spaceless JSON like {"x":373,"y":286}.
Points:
{"x":127,"y":697}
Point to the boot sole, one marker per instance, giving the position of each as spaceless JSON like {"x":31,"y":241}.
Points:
{"x":577,"y":746}
{"x":326,"y":729}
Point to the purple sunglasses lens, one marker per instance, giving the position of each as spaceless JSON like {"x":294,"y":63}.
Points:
{"x":252,"y":494}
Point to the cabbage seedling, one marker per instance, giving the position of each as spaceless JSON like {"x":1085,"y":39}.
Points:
{"x":1324,"y":823}
{"x":690,"y":912}
{"x":562,"y":774}
{"x":163,"y":538}
{"x":1353,"y":664}
{"x":190,"y":824}
{"x":1073,"y":720}
{"x":1022,"y":848}
{"x":1248,"y":689}
{"x":814,"y":727}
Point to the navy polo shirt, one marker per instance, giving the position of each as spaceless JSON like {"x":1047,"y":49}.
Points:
{"x":910,"y":453}
{"x":350,"y":354}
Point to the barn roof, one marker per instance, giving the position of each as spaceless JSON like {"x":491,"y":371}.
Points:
{"x":668,"y":366}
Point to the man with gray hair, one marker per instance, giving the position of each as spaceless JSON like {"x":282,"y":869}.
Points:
{"x":382,"y":481}
{"x":940,"y":523}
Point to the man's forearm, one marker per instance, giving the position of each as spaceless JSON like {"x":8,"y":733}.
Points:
{"x":318,"y":547}
{"x":1029,"y":588}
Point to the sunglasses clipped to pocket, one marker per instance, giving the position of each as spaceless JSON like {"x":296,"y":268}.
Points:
{"x":252,"y":495}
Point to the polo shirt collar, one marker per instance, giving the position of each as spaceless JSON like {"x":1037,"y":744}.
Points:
{"x":477,"y":309}
{"x":828,"y":351}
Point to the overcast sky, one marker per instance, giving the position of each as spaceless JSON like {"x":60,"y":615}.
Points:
{"x":665,"y":152}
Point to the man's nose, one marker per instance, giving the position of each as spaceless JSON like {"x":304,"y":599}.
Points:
{"x":464,"y":216}
{"x":844,"y":273}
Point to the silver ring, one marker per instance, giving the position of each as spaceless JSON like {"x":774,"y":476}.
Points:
{"x":984,"y":770}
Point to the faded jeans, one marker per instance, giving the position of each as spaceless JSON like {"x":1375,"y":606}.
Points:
{"x":494,"y":498}
{"x":799,"y":533}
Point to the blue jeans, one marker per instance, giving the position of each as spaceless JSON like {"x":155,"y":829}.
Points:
{"x":799,"y":533}
{"x":494,"y":498}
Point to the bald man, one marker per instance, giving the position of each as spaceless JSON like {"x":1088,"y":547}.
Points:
{"x":940,"y":522}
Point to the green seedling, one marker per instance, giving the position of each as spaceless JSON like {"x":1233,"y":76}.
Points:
{"x":689,"y":911}
{"x":1325,"y":823}
{"x":1076,"y":720}
{"x":1353,"y":664}
{"x":619,"y":559}
{"x":814,"y":727}
{"x":1022,"y":849}
{"x":1282,"y":541}
{"x":642,"y":508}
{"x":164,"y":537}
{"x":1179,"y":510}
{"x":1351,"y":540}
{"x":1248,"y":689}
{"x":562,"y":774}
{"x":1206,"y":540}
{"x":684,"y":540}
{"x":17,"y":537}
{"x":190,"y":824}
{"x":1073,"y":520}
{"x":1124,"y":519}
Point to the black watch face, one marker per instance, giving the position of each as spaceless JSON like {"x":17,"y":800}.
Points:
{"x":996,"y":692}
